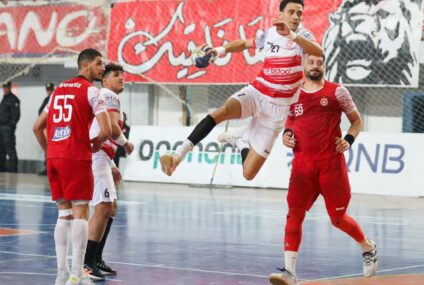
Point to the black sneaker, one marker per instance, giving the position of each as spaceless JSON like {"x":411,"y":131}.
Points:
{"x":94,"y":272}
{"x":105,"y":269}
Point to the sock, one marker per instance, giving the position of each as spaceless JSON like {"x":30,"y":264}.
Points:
{"x":61,"y":240}
{"x":290,"y":261}
{"x":79,"y":238}
{"x":99,"y":255}
{"x":90,"y":254}
{"x":348,"y":225}
{"x":203,"y":128}
{"x":293,"y":230}
{"x":244,"y":152}
{"x":183,"y":149}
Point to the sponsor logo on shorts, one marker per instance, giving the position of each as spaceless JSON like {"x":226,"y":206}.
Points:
{"x":241,"y":94}
{"x":61,"y":133}
{"x":267,"y":151}
{"x":340,"y":209}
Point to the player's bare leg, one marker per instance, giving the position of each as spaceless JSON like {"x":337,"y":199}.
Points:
{"x":230,"y":110}
{"x":252,"y":164}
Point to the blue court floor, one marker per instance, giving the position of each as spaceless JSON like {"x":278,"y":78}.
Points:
{"x":180,"y":235}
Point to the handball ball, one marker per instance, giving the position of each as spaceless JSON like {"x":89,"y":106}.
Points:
{"x":200,"y":58}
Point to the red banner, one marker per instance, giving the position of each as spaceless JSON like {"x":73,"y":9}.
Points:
{"x":36,"y":31}
{"x":153,"y":39}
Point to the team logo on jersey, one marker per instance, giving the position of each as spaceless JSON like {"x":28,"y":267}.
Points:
{"x":61,"y":133}
{"x":324,"y":101}
{"x":290,"y":44}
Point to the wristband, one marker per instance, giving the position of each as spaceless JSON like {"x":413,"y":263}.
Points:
{"x":220,"y":51}
{"x":350,"y":139}
{"x":292,"y":35}
{"x":121,"y":140}
{"x":288,"y":130}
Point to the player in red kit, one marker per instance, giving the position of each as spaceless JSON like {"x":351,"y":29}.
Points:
{"x":67,"y":118}
{"x":319,"y":166}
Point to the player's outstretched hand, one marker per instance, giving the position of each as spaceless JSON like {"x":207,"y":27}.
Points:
{"x":341,"y":145}
{"x":288,"y":139}
{"x":282,"y":28}
{"x":116,"y":174}
{"x":128,"y":147}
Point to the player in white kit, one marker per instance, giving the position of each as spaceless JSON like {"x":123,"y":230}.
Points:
{"x":267,"y":98}
{"x":106,"y":174}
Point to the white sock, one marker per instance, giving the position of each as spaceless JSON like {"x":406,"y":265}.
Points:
{"x":183,"y":149}
{"x":241,"y":144}
{"x":61,"y":240}
{"x":290,"y":261}
{"x":79,"y":238}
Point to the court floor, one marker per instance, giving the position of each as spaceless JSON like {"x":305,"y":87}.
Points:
{"x":181,"y":235}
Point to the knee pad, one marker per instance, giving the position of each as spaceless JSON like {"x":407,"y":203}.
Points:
{"x":295,"y":218}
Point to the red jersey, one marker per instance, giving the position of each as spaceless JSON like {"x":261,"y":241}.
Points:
{"x":315,"y":120}
{"x":71,"y":110}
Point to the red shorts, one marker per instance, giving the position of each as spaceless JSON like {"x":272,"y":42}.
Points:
{"x":70,"y":179}
{"x":328,"y":177}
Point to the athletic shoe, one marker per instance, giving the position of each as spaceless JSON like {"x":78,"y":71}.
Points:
{"x":370,"y":261}
{"x":105,"y":269}
{"x":228,"y":138}
{"x":62,"y":277}
{"x":283,"y":278}
{"x":169,"y":163}
{"x":93,"y":272}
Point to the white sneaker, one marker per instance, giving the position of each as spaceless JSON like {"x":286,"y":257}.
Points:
{"x":228,"y":138}
{"x":283,"y":278}
{"x":169,"y":163}
{"x":370,"y":261}
{"x":61,"y":278}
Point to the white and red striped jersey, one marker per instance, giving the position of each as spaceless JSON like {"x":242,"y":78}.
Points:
{"x":112,"y":104}
{"x":71,"y":110}
{"x":282,"y":72}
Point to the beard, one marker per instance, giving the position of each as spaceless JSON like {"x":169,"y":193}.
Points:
{"x":315,"y":75}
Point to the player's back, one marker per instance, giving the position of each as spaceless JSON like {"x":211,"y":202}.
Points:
{"x":70,"y":115}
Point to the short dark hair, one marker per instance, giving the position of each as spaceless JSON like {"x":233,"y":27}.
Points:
{"x":88,"y":54}
{"x":284,"y":3}
{"x":111,"y":67}
{"x":7,"y":84}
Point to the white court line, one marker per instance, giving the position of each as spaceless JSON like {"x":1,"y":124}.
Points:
{"x":220,"y":272}
{"x":151,"y":265}
{"x":46,"y":199}
{"x":378,"y":271}
{"x":45,"y":274}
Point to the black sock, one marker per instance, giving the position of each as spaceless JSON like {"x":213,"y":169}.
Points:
{"x":203,"y":128}
{"x":244,"y":152}
{"x":90,"y":253}
{"x":99,"y":255}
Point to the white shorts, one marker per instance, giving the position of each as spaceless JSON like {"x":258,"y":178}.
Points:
{"x":268,"y":119}
{"x":104,"y":187}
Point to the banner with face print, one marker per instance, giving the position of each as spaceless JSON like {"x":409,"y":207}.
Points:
{"x":372,"y":42}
